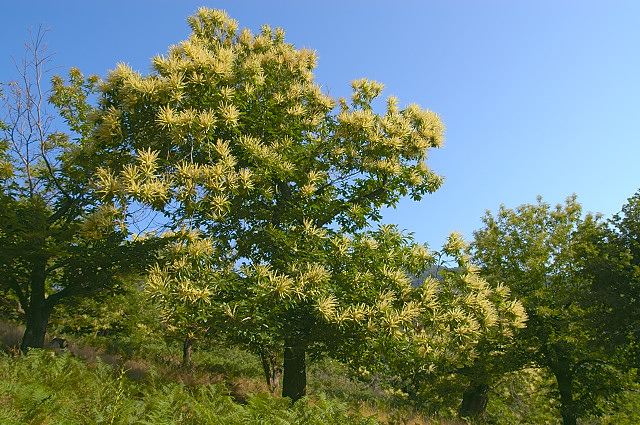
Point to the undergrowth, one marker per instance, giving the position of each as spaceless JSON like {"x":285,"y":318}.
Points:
{"x":112,"y":380}
{"x":44,"y":388}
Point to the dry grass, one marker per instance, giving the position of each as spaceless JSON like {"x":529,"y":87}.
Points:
{"x":10,"y":336}
{"x":241,"y":387}
{"x":394,"y":417}
{"x":138,"y":369}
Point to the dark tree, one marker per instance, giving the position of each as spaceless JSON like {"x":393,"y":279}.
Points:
{"x":542,"y":253}
{"x":57,"y":241}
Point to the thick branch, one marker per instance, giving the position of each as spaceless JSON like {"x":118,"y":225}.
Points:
{"x":55,"y":267}
{"x":285,"y":189}
{"x":22,"y":296}
{"x":62,"y":210}
{"x":67,"y":292}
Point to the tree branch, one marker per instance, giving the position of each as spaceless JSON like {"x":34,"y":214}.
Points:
{"x":358,"y":200}
{"x":22,"y":296}
{"x":62,"y":210}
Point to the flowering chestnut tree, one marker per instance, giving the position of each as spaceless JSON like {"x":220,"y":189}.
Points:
{"x":232,"y":139}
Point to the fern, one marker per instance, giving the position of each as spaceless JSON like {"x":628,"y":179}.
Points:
{"x":43,"y":388}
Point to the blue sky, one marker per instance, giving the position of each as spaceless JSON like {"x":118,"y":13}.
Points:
{"x":539,"y":97}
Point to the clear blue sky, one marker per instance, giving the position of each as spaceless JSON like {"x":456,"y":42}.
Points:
{"x":539,"y":97}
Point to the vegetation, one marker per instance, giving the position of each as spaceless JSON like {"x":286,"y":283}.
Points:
{"x":268,"y":258}
{"x":613,"y":269}
{"x":542,"y":254}
{"x":65,"y":390}
{"x":58,"y":242}
{"x":275,"y":191}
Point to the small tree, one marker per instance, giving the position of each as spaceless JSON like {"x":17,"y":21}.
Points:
{"x":57,"y":241}
{"x":181,"y":285}
{"x":231,"y":137}
{"x":541,"y":253}
{"x":434,"y":379}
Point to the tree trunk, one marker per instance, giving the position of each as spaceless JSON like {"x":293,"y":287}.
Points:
{"x":187,"y":347}
{"x":38,"y":313}
{"x":474,"y":400}
{"x":565,"y":388}
{"x":294,"y":381}
{"x":37,"y":321}
{"x":271,"y":368}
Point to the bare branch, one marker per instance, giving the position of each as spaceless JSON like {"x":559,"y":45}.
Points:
{"x":29,"y":124}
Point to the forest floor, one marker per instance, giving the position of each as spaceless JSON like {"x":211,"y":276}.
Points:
{"x":237,"y":370}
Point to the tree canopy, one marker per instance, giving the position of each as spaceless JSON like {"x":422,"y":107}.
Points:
{"x":541,"y":252}
{"x":256,"y":200}
{"x":615,"y":273}
{"x":57,"y":239}
{"x":278,"y":185}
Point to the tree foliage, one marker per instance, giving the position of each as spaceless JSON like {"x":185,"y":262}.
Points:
{"x":615,"y":271}
{"x":57,"y":240}
{"x":541,"y":253}
{"x":232,"y":139}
